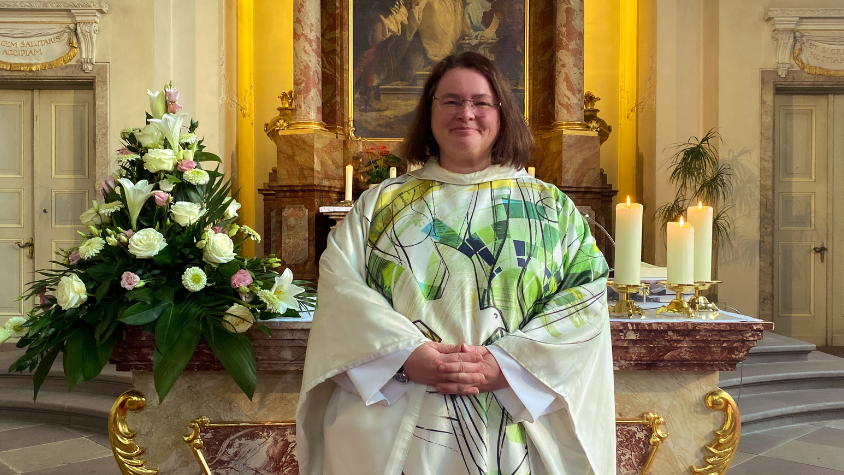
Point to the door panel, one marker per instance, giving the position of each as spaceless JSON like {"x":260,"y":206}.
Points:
{"x":801,"y":191}
{"x":837,"y":257}
{"x":15,"y":199}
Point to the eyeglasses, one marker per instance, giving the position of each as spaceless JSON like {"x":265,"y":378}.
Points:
{"x":451,"y":105}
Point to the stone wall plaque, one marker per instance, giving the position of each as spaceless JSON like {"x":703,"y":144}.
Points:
{"x":822,"y":55}
{"x":34,"y":49}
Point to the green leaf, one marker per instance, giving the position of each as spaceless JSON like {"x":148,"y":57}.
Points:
{"x":102,"y":271}
{"x":43,"y":370}
{"x":234,"y":351}
{"x":143,"y":312}
{"x":102,"y":289}
{"x":165,"y":256}
{"x":95,"y":314}
{"x":83,"y":359}
{"x":177,"y":334}
{"x":229,"y":269}
{"x":164,"y":295}
{"x":265,"y":330}
{"x":206,"y":157}
{"x":139,"y":295}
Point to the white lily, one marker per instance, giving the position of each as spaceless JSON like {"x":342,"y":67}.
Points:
{"x":285,"y":291}
{"x":171,"y":126}
{"x":157,"y":103}
{"x":136,"y":195}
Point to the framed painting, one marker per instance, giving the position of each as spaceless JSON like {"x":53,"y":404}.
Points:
{"x":394,"y":44}
{"x":245,"y":448}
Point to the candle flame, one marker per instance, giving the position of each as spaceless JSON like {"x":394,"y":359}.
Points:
{"x":628,"y":201}
{"x":700,"y":205}
{"x":681,"y":221}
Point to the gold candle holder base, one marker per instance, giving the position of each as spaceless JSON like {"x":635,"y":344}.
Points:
{"x":348,"y":203}
{"x":625,"y":306}
{"x":679,"y":304}
{"x":700,"y":305}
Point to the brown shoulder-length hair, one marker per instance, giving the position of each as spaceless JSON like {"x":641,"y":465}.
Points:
{"x":514,"y":145}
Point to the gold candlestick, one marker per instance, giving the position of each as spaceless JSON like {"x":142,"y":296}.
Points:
{"x":700,"y":305}
{"x":348,"y":203}
{"x":625,"y":306}
{"x":678,"y":305}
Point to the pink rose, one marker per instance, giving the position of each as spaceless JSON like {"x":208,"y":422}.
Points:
{"x":217,"y":229}
{"x":161,"y":198}
{"x":172,"y":94}
{"x":74,"y":257}
{"x":106,"y":185}
{"x":185,"y":165}
{"x":129,"y":280}
{"x":124,"y":151}
{"x":123,"y":238}
{"x":241,"y":278}
{"x":174,"y":107}
{"x":42,"y":298}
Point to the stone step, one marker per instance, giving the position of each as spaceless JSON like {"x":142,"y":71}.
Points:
{"x":86,"y":410}
{"x":820,"y":371}
{"x":774,"y":348}
{"x":767,"y":411}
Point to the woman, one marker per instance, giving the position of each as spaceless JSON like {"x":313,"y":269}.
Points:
{"x":462,"y":324}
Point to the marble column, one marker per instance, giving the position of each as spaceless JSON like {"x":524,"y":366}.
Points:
{"x":307,"y":65}
{"x":568,"y":90}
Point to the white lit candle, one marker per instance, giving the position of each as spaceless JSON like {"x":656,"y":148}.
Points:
{"x":681,"y":253}
{"x":532,"y":171}
{"x":700,"y":217}
{"x":350,"y":170}
{"x":392,"y":172}
{"x":628,"y":243}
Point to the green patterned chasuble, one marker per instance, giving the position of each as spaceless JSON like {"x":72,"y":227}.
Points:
{"x":473,"y":264}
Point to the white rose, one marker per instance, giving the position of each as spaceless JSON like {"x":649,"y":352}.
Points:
{"x":231,"y":210}
{"x":218,"y":249}
{"x":238,"y":319}
{"x":71,"y":292}
{"x":160,"y":159}
{"x":146,"y":243}
{"x":150,"y":136}
{"x":186,"y":213}
{"x":92,"y":217}
{"x":165,"y":185}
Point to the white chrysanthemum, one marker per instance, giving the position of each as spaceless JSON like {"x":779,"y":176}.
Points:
{"x":273,"y":303}
{"x":91,"y":247}
{"x":194,"y":279}
{"x":196,"y":176}
{"x":253,"y":235}
{"x":109,"y":208}
{"x":188,"y":139}
{"x":14,"y":327}
{"x":131,"y":157}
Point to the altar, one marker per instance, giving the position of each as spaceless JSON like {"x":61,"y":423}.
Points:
{"x":666,"y":382}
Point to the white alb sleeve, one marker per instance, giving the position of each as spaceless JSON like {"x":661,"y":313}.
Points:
{"x":374,"y":382}
{"x":527,"y":398}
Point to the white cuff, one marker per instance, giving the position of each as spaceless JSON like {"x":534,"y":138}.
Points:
{"x":527,"y":398}
{"x":374,"y":382}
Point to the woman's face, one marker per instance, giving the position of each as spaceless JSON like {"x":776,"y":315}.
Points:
{"x":465,"y":134}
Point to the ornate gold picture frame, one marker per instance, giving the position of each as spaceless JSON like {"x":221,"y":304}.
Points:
{"x":248,"y":448}
{"x":394,"y":43}
{"x":638,"y":429}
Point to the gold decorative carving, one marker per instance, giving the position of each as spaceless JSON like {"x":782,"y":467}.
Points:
{"x":305,"y":125}
{"x":60,"y":61}
{"x":198,"y":426}
{"x":126,"y":451}
{"x":569,"y":125}
{"x":284,"y":117}
{"x":657,"y":436}
{"x":724,"y":447}
{"x":590,"y":116}
{"x":817,"y":70}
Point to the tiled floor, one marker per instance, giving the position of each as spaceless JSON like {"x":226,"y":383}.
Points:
{"x":808,"y":449}
{"x":49,"y":449}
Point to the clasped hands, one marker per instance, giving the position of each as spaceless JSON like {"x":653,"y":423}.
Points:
{"x":455,"y":369}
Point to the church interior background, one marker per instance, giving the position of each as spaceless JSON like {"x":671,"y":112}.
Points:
{"x":761,"y":73}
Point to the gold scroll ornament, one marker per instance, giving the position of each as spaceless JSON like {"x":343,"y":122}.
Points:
{"x":284,"y":117}
{"x":657,"y":436}
{"x":60,"y":61}
{"x":725,"y":445}
{"x":126,"y":451}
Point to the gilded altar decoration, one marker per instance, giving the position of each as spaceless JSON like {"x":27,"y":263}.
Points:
{"x":161,"y":251}
{"x":284,"y":117}
{"x":822,"y":55}
{"x":590,"y":116}
{"x":632,"y":438}
{"x":394,"y":46}
{"x":126,"y":450}
{"x":725,"y":445}
{"x":244,"y":447}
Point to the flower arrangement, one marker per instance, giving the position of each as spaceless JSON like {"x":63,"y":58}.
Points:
{"x":378,"y":165}
{"x":161,"y":251}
